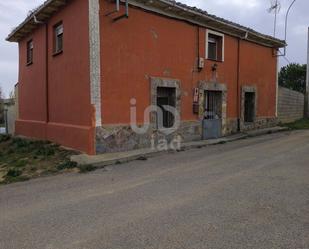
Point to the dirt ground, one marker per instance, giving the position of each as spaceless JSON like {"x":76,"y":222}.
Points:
{"x":23,"y":159}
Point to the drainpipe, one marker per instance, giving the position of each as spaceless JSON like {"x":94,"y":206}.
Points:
{"x":238,"y":85}
{"x":46,"y":64}
{"x":245,"y":37}
{"x":277,"y":84}
{"x":198,"y":42}
{"x":46,"y":74}
{"x":126,"y":15}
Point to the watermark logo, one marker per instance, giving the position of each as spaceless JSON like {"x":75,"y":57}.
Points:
{"x":159,"y":114}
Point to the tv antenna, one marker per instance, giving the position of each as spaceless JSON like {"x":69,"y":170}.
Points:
{"x":275,"y":7}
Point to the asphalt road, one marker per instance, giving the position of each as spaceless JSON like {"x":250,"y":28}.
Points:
{"x":252,"y":193}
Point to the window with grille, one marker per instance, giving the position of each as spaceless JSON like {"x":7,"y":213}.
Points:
{"x":213,"y":105}
{"x":166,"y":96}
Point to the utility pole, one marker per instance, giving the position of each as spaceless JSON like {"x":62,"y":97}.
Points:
{"x":307,"y":83}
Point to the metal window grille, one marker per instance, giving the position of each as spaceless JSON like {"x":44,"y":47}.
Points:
{"x":166,"y":96}
{"x":213,"y":105}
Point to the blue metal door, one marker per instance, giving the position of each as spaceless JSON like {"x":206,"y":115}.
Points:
{"x":212,"y":123}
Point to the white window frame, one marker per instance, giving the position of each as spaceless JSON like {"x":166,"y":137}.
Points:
{"x":208,"y":32}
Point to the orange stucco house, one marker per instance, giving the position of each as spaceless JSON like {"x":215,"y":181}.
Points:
{"x":84,"y":65}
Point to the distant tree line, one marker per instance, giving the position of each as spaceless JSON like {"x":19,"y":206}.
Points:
{"x":293,"y":76}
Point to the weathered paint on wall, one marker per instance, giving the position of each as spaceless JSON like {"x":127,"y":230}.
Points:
{"x":68,"y":120}
{"x":132,"y":51}
{"x":147,"y":44}
{"x":258,"y":68}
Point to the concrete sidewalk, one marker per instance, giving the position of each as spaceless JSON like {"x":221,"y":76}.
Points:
{"x":107,"y":159}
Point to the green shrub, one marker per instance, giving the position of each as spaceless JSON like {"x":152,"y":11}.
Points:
{"x":33,"y":169}
{"x":10,"y":151}
{"x":9,"y":179}
{"x":299,"y":124}
{"x":13,"y":173}
{"x":20,"y":143}
{"x":4,"y":138}
{"x":20,"y":163}
{"x":45,"y":151}
{"x":86,"y":168}
{"x":67,"y":165}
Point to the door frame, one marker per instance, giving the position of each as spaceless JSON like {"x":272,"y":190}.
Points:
{"x":213,"y":86}
{"x":248,"y":89}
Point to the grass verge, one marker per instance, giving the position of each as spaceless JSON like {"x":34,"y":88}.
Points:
{"x":23,"y":159}
{"x":301,"y":124}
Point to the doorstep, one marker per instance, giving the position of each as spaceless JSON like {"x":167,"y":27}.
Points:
{"x":107,"y":159}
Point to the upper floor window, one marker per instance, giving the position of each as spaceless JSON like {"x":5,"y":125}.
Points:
{"x":58,"y":38}
{"x":215,"y":46}
{"x":29,"y":52}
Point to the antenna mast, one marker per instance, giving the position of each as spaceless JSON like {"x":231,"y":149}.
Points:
{"x":275,"y":7}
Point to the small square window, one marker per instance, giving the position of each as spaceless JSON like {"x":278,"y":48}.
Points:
{"x":215,"y":47}
{"x":29,"y":52}
{"x":58,"y":38}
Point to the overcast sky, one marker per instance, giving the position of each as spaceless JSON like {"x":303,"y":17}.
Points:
{"x":250,"y":13}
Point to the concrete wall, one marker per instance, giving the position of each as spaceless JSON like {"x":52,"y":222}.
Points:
{"x":290,"y":105}
{"x":11,"y":118}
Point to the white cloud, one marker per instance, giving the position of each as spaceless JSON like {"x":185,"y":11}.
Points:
{"x":300,"y":29}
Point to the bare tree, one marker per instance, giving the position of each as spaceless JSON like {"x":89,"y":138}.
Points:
{"x":12,"y":95}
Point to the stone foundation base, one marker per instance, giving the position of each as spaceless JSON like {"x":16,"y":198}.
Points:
{"x":111,"y":139}
{"x":260,"y":123}
{"x":231,"y":126}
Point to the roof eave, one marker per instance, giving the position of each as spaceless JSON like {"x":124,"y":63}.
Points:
{"x":195,"y":16}
{"x":166,"y":7}
{"x":43,"y":13}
